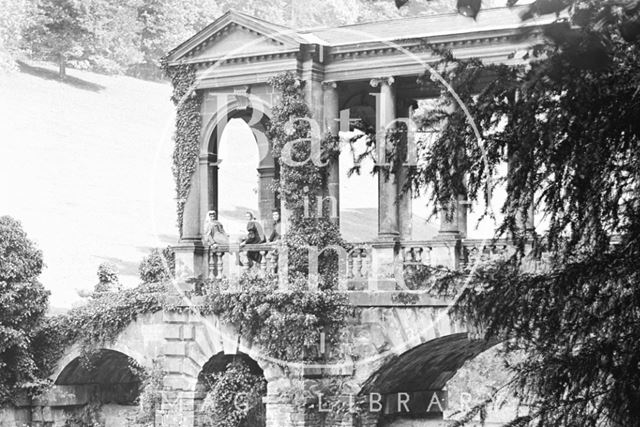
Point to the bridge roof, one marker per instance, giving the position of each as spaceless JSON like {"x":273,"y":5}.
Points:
{"x":424,"y":26}
{"x":239,"y":49}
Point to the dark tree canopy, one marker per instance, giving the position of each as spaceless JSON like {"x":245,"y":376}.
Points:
{"x":567,"y":124}
{"x":23,"y":302}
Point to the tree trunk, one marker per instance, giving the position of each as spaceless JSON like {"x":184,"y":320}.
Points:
{"x":62,"y":67}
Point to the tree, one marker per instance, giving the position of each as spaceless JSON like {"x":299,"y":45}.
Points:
{"x":567,"y":125}
{"x":166,"y":24}
{"x":58,"y":32}
{"x":158,"y":266}
{"x":23,"y":302}
{"x":13,"y":18}
{"x":98,"y":34}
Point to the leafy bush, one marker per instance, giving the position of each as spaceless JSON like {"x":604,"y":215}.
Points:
{"x":235,"y":397}
{"x":23,"y":303}
{"x":286,"y":325}
{"x":96,"y":323}
{"x":157,"y":266}
{"x":150,"y":397}
{"x":89,"y":415}
{"x":107,"y":277}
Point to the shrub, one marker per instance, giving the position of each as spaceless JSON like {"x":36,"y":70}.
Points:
{"x":158,"y":266}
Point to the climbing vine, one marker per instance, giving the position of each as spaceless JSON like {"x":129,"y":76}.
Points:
{"x":285,"y":325}
{"x":300,"y":185}
{"x":234,"y":397}
{"x":96,"y":323}
{"x":188,"y":124}
{"x":90,"y":415}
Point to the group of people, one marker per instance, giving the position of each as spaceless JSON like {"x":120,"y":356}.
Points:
{"x":214,"y":233}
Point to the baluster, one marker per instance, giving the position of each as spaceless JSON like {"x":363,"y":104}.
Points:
{"x":220,"y":264}
{"x":418,"y":252}
{"x":274,"y":261}
{"x":263,"y":260}
{"x":212,"y":264}
{"x":357,"y":264}
{"x":473,"y":255}
{"x":244,"y":260}
{"x":426,"y":259}
{"x":485,"y":253}
{"x":403,"y":252}
{"x":364,"y":269}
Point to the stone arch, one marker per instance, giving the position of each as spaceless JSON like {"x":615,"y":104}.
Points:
{"x":192,"y":339}
{"x":257,"y":115}
{"x":142,"y":340}
{"x":109,"y":378}
{"x":109,"y":372}
{"x":218,"y":363}
{"x":419,"y":376}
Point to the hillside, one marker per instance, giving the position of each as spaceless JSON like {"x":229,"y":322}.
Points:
{"x":85,"y":165}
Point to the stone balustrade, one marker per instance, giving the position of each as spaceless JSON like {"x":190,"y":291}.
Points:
{"x":365,"y":262}
{"x":232,"y":260}
{"x":477,"y":250}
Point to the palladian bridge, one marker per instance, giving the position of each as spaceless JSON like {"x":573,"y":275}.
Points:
{"x":412,"y":348}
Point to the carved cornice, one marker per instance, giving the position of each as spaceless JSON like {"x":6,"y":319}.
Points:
{"x":406,"y":46}
{"x":246,"y":59}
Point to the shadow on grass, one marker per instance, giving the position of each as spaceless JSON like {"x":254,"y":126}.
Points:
{"x":53,"y":75}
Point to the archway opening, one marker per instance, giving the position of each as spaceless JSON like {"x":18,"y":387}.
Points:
{"x":230,"y":386}
{"x":241,"y":172}
{"x":441,"y":379}
{"x":108,"y":382}
{"x":238,"y":180}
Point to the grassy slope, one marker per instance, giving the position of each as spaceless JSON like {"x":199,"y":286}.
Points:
{"x":85,"y":165}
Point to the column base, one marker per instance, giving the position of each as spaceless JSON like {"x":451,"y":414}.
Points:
{"x":446,"y":250}
{"x":191,"y":262}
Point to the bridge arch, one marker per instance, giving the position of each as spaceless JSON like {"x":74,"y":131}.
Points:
{"x":413,"y":384}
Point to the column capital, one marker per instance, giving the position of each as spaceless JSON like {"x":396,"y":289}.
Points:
{"x":329,"y":84}
{"x":209,"y":158}
{"x":379,"y":81}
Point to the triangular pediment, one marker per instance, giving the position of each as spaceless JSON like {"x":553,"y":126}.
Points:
{"x":235,"y":35}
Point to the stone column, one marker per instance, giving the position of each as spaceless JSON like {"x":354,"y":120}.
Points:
{"x":191,"y":214}
{"x":331,"y":124}
{"x":387,"y":185}
{"x":447,"y":249}
{"x":454,"y":227}
{"x":209,"y":184}
{"x":405,"y":203}
{"x":266,"y":199}
{"x":526,"y":224}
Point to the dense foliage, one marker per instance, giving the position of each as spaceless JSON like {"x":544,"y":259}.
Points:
{"x":301,"y":181}
{"x":23,"y":303}
{"x":285,"y":325}
{"x":187,"y":135}
{"x":99,"y":35}
{"x":14,"y":17}
{"x":150,"y":397}
{"x":94,"y":324}
{"x":130,"y":36}
{"x":567,"y":126}
{"x":158,"y":266}
{"x":234,"y":397}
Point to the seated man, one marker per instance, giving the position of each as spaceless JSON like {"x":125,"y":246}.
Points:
{"x":255,"y":235}
{"x":275,"y":233}
{"x":214,"y":233}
